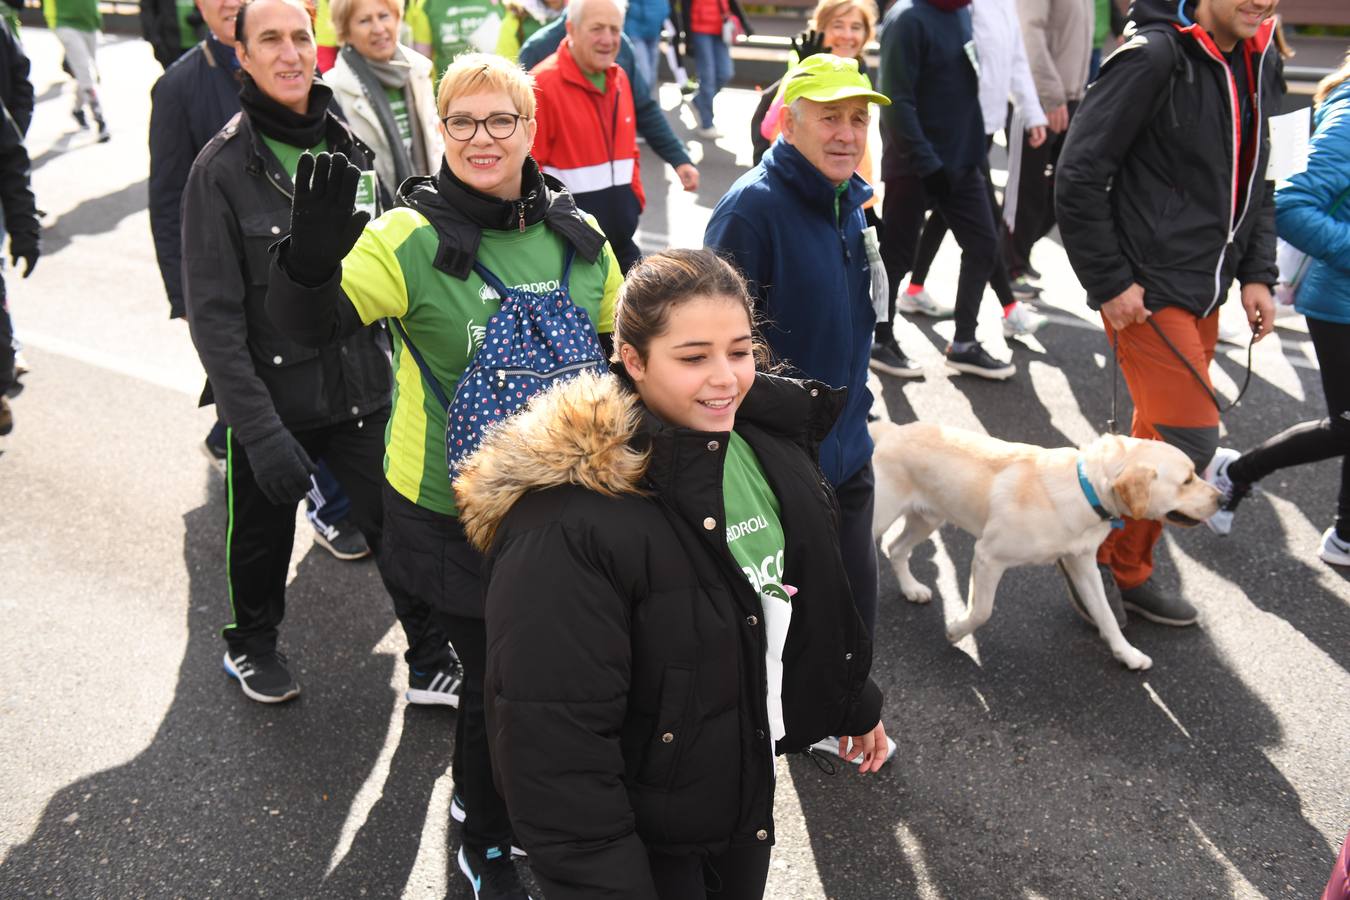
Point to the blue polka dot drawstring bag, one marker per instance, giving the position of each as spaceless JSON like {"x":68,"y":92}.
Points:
{"x":534,"y":340}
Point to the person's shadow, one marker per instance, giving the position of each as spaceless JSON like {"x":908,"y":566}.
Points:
{"x":235,"y":798}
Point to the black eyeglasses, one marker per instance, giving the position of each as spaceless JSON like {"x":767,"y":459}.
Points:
{"x":498,"y":125}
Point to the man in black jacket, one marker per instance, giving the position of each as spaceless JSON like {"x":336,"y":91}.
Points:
{"x":1162,"y":202}
{"x":189,"y":104}
{"x":284,"y":404}
{"x":20,"y":221}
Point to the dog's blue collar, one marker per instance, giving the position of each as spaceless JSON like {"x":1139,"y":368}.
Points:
{"x":1093,"y":500}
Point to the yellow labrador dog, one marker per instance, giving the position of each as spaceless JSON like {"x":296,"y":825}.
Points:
{"x":1027,"y":504}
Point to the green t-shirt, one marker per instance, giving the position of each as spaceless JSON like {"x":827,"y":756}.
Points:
{"x":289,"y":156}
{"x":755,"y":539}
{"x":447,"y":25}
{"x":398,"y":103}
{"x":390,"y":272}
{"x":187,"y":32}
{"x":597,"y":79}
{"x":83,"y":15}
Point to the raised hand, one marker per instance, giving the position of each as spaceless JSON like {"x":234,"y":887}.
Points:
{"x":324,"y":220}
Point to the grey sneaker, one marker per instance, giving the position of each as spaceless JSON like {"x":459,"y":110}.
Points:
{"x":1216,"y":473}
{"x":1334,"y":550}
{"x":1108,"y":584}
{"x":924,"y":304}
{"x":344,"y":540}
{"x":1022,"y":319}
{"x":1148,"y":602}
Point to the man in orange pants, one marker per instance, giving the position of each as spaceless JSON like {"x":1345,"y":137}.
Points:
{"x":1162,"y":203}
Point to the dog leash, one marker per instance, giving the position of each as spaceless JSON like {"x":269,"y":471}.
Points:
{"x":1218,"y":404}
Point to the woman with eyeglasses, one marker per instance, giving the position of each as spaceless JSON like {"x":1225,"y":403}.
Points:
{"x":385,"y":89}
{"x":489,"y":209}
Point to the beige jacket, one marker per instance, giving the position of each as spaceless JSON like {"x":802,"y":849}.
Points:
{"x":1058,"y":38}
{"x":365,"y":124}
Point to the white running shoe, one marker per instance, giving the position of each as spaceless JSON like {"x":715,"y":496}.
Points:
{"x":1022,"y":319}
{"x":831,"y":746}
{"x":923,"y":304}
{"x":1333,"y":549}
{"x":1216,"y":473}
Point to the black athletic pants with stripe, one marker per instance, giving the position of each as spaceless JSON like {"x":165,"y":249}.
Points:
{"x":260,"y":535}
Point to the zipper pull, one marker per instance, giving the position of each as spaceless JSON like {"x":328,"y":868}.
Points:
{"x":520,"y":211}
{"x":501,"y":379}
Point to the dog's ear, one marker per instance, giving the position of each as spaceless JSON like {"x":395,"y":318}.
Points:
{"x":1132,"y":488}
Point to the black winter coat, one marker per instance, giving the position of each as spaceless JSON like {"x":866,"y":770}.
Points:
{"x":16,"y":191}
{"x":1154,"y":185}
{"x":236,"y":205}
{"x":190,"y":103}
{"x":625,"y":683}
{"x":16,"y":88}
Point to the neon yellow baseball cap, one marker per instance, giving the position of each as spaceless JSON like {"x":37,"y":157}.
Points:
{"x":826,"y":78}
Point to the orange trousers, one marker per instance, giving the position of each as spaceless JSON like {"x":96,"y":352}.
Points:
{"x":1169,"y":405}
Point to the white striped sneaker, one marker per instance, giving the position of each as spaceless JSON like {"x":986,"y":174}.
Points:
{"x":438,"y":687}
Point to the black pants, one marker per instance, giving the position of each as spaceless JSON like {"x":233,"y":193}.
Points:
{"x":431,"y":560}
{"x":6,"y":341}
{"x":738,"y":874}
{"x":966,"y":210}
{"x":260,"y":535}
{"x":935,"y":232}
{"x":1035,"y":214}
{"x":857,"y":497}
{"x":1318,"y":440}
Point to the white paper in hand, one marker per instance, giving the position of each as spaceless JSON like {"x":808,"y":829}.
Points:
{"x":1288,"y":145}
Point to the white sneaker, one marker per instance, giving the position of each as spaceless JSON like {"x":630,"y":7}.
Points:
{"x":1021,"y":319}
{"x":831,"y":746}
{"x":922,"y":303}
{"x":708,"y":134}
{"x":1216,"y":473}
{"x":1333,"y":549}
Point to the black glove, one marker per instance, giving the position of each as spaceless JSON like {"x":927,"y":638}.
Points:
{"x":809,"y":43}
{"x":281,"y":467}
{"x":26,"y":249}
{"x":937,"y":185}
{"x":324,"y":223}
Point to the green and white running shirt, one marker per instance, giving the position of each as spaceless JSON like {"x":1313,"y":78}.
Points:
{"x":755,"y":539}
{"x":389,"y":273}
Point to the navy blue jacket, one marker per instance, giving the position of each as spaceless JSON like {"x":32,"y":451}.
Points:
{"x":934,"y":120}
{"x":651,"y":121}
{"x":809,"y":276}
{"x":190,"y":102}
{"x":1304,"y":218}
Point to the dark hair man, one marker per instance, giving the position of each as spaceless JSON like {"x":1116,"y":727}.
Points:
{"x":1162,"y":203}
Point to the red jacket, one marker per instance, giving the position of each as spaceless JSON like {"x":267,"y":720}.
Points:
{"x":586,"y":139}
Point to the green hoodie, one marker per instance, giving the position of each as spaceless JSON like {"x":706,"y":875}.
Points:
{"x":79,"y":14}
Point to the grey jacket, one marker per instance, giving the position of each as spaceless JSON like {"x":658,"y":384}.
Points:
{"x":237,"y":203}
{"x":1058,"y":38}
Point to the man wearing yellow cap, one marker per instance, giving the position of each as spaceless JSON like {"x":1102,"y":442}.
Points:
{"x":794,"y":225}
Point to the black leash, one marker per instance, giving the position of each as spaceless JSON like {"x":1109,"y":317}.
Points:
{"x":1218,"y":404}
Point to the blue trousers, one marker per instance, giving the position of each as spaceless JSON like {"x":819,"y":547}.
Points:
{"x":712,"y":60}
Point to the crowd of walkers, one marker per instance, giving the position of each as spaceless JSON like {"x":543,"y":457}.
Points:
{"x":623,"y":506}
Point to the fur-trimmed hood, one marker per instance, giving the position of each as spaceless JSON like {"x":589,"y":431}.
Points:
{"x":593,"y":431}
{"x":578,"y":432}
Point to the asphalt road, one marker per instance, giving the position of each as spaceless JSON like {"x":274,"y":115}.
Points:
{"x":1030,"y":764}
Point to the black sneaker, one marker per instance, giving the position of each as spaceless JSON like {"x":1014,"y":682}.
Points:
{"x":1023,"y":289}
{"x":492,"y":875}
{"x":344,"y":540}
{"x":217,"y":453}
{"x":436,"y":687}
{"x":262,"y":676}
{"x":976,"y":361}
{"x":1031,"y":272}
{"x":460,"y":814}
{"x":1108,"y":584}
{"x":887,"y":357}
{"x":1147,"y":602}
{"x":104,"y":135}
{"x":80,"y":120}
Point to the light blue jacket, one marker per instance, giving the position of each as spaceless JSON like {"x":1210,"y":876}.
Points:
{"x":1303,"y":219}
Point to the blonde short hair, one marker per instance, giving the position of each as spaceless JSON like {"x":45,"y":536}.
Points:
{"x":340,"y":13}
{"x":829,"y":10}
{"x":481,"y":73}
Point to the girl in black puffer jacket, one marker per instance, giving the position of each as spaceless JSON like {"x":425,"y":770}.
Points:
{"x":666,"y":606}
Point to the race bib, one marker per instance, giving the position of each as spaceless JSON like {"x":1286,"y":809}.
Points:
{"x":367,"y":195}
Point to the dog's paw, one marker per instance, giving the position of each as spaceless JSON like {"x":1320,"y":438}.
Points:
{"x":1133,"y":659}
{"x":917,"y":593}
{"x":958,"y":631}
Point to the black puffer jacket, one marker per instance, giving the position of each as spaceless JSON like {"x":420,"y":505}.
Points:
{"x":1154,"y":184}
{"x":237,"y":203}
{"x":626,"y":692}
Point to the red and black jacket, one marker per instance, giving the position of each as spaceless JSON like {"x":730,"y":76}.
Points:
{"x":1156,"y":183}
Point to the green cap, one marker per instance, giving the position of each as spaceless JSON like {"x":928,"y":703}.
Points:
{"x":826,"y":78}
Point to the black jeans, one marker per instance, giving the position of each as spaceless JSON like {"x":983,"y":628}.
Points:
{"x":1317,"y":440}
{"x":935,"y":232}
{"x":431,"y":561}
{"x":260,"y":536}
{"x":857,"y":497}
{"x":738,"y":874}
{"x":965,"y":207}
{"x":1035,"y":213}
{"x":6,"y":341}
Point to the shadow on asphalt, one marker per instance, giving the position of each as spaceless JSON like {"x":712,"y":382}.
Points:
{"x":233,"y":798}
{"x":98,"y":215}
